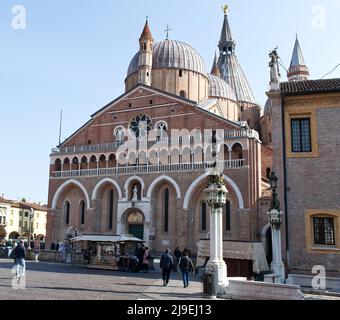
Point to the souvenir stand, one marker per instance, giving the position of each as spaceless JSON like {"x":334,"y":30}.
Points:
{"x":104,"y":251}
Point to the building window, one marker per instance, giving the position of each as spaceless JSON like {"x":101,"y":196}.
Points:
{"x":67,"y":212}
{"x":268,"y":172}
{"x":227,"y":216}
{"x":180,"y":73}
{"x":204,"y":216}
{"x":166,"y":210}
{"x":82,"y":212}
{"x":301,"y":135}
{"x":26,"y":214}
{"x":111,"y":210}
{"x":324,"y":231}
{"x":151,"y":101}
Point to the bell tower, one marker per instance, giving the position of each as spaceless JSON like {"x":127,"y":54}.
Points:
{"x":145,"y":56}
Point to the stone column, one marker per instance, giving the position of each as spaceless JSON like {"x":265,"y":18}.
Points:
{"x":216,"y":199}
{"x":216,"y":261}
{"x":277,"y":266}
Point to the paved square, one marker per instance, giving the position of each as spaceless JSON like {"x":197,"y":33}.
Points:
{"x":49,"y":281}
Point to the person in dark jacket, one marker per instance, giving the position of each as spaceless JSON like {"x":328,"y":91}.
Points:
{"x":177,"y":254}
{"x":166,"y":265}
{"x":186,"y":265}
{"x":20,"y":256}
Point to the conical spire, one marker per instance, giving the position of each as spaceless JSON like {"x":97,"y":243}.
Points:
{"x":146,"y":34}
{"x":226,"y":32}
{"x":297,"y":58}
{"x":215,"y":69}
{"x":227,"y":43}
{"x":229,"y":67}
{"x":298,"y":69}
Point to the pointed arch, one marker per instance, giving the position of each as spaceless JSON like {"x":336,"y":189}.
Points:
{"x":67,"y":184}
{"x":192,"y":187}
{"x":163,"y":178}
{"x":127,"y":183}
{"x":102,"y":182}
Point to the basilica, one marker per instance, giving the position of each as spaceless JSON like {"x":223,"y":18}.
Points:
{"x":136,"y":168}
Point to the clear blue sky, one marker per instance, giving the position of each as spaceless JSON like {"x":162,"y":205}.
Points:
{"x":74,"y":55}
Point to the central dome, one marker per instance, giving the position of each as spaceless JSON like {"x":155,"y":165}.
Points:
{"x":172,"y":54}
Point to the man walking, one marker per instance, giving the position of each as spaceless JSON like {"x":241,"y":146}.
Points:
{"x":186,"y":265}
{"x":20,"y":256}
{"x":166,"y":265}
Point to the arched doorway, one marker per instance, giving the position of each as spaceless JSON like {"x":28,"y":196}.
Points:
{"x":14,"y":235}
{"x":135,"y":224}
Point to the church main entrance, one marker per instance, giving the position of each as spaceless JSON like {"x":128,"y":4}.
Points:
{"x":135,"y":224}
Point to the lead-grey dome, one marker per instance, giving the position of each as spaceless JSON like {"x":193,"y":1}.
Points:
{"x":172,"y":54}
{"x":220,"y":88}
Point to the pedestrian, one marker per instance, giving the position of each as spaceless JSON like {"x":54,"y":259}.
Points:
{"x":12,"y":255}
{"x":140,"y":255}
{"x":145,"y":260}
{"x":52,"y":246}
{"x":166,"y":265}
{"x":186,"y":265}
{"x":178,"y":255}
{"x":20,"y":256}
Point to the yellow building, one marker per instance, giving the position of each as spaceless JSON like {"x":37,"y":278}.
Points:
{"x":20,"y":219}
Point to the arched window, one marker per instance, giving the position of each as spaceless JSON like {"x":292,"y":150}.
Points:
{"x":119,"y":134}
{"x":161,"y":130}
{"x":227,"y":216}
{"x":166,"y":210}
{"x":183,"y":94}
{"x":57,"y":165}
{"x":111,"y":209}
{"x":204,"y":216}
{"x":82,"y":212}
{"x":89,"y":142}
{"x":270,"y":137}
{"x":67,"y":212}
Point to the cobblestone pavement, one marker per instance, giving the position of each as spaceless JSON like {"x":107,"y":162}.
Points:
{"x":49,"y":281}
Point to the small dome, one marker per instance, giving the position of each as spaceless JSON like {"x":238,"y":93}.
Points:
{"x":268,"y":107}
{"x":172,"y":54}
{"x":220,"y":88}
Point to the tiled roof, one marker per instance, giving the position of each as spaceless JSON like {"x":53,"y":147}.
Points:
{"x":310,"y":86}
{"x":23,"y":205}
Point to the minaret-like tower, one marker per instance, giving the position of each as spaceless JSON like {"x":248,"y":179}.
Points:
{"x":229,"y":66}
{"x":145,"y":56}
{"x":231,"y":72}
{"x":298,"y":70}
{"x":215,"y":70}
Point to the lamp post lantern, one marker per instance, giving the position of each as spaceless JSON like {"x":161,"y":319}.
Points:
{"x":216,"y":197}
{"x":275,"y":218}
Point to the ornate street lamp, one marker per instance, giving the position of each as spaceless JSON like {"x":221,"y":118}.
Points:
{"x":275,"y":218}
{"x":275,"y":213}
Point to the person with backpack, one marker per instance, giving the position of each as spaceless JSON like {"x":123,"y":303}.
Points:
{"x":186,"y":265}
{"x":166,"y":265}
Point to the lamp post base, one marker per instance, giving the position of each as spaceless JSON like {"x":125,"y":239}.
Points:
{"x":219,"y":268}
{"x":278,"y":270}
